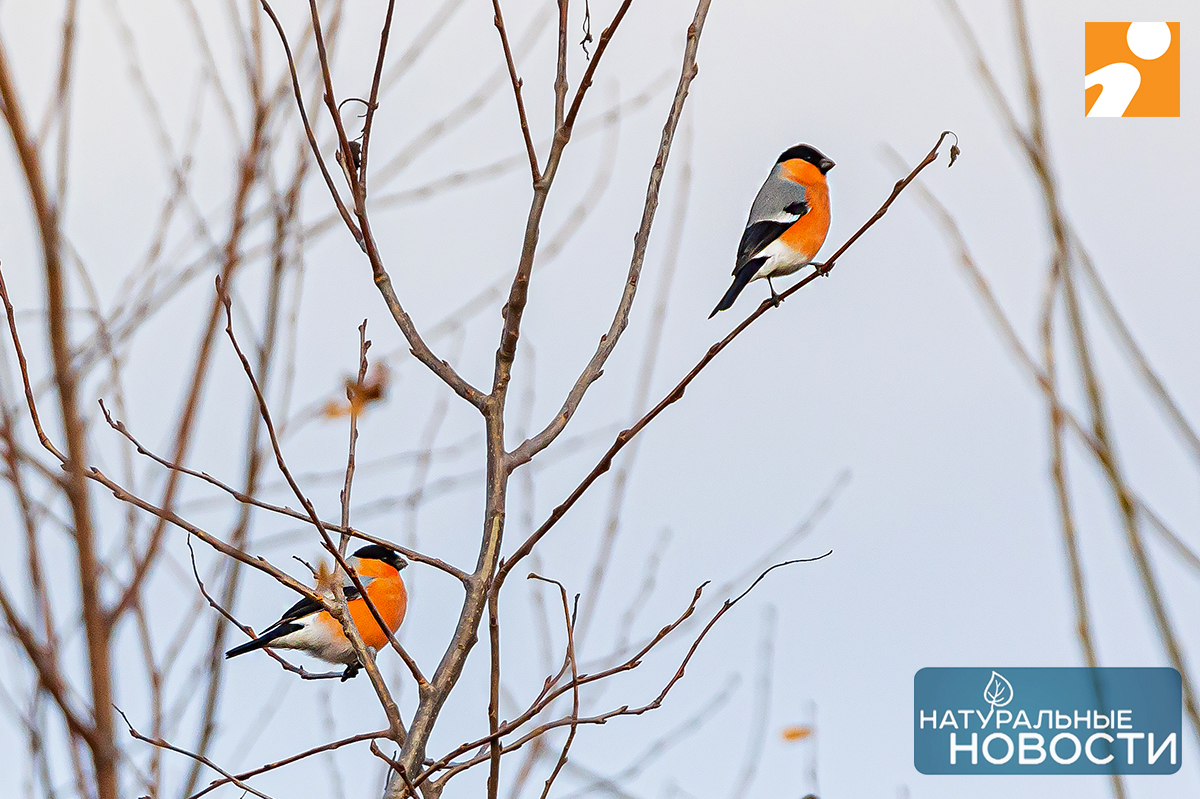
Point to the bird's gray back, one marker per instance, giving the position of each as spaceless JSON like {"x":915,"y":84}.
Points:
{"x":775,"y":195}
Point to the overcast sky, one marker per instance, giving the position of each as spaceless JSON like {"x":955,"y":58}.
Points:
{"x":946,"y":549}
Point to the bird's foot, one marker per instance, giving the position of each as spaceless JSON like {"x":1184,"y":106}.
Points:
{"x":823,"y":269}
{"x":776,"y":298}
{"x":351,"y":671}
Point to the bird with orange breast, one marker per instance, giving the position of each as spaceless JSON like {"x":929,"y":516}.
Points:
{"x":308,"y":627}
{"x":788,"y":222}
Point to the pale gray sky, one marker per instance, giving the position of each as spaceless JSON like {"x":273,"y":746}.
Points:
{"x":946,"y":545}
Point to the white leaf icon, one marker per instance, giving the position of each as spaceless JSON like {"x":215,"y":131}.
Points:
{"x":999,"y":691}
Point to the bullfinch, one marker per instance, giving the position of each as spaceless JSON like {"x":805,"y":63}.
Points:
{"x":309,"y":628}
{"x":788,"y":221}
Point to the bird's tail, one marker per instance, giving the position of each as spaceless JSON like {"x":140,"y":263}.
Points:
{"x":740,"y":280}
{"x":263,"y":640}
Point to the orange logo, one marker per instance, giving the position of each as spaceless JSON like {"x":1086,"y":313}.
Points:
{"x":1131,"y":69}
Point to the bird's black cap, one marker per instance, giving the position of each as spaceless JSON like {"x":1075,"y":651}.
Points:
{"x":806,"y":152}
{"x":376,"y":552}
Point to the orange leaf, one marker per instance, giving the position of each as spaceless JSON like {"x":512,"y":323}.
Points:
{"x":796,"y":732}
{"x":324,"y":578}
{"x":373,"y":389}
{"x":335,"y":410}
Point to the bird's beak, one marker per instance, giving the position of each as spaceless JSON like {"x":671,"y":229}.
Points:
{"x":826,"y":165}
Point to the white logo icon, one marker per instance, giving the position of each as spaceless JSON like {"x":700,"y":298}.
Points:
{"x":1119,"y":82}
{"x":999,"y":691}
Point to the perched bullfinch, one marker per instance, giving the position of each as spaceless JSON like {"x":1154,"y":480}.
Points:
{"x":788,"y":221}
{"x":305,"y":626}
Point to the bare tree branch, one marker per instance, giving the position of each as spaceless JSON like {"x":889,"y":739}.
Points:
{"x":516,"y":84}
{"x":169,"y":747}
{"x":96,"y":627}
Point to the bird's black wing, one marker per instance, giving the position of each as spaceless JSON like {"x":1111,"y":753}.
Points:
{"x":759,"y":234}
{"x":306,"y":606}
{"x":757,"y":237}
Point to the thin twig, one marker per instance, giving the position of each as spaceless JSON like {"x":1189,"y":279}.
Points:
{"x":240,"y":496}
{"x":287,"y":761}
{"x":219,"y":608}
{"x":286,"y":215}
{"x":200,"y":758}
{"x":352,"y":397}
{"x":569,"y":617}
{"x":24,"y":366}
{"x":96,"y":628}
{"x":641,"y":392}
{"x":608,"y":342}
{"x":1137,"y":358}
{"x":248,"y":174}
{"x":312,"y":139}
{"x":516,"y":84}
{"x":624,"y":710}
{"x":396,"y":766}
{"x":373,"y":104}
{"x":560,"y":75}
{"x":1025,"y":360}
{"x":660,"y":746}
